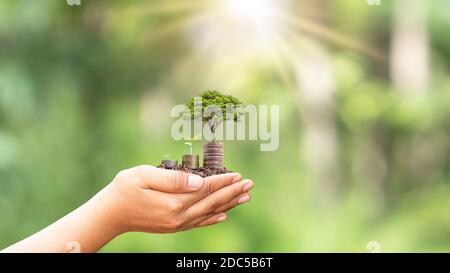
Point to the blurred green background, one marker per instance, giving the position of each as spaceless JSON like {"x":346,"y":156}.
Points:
{"x":86,"y":91}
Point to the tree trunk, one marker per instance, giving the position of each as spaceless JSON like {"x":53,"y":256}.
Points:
{"x":410,"y":47}
{"x":316,"y":87}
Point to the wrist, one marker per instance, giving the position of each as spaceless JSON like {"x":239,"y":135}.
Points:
{"x":106,"y":214}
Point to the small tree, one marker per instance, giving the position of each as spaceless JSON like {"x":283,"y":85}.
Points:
{"x":214,"y":108}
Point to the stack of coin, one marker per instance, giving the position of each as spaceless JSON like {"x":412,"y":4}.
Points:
{"x":190,"y":161}
{"x":169,"y":163}
{"x":213,"y":155}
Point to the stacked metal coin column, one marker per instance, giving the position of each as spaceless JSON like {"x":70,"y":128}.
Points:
{"x":213,"y":155}
{"x":191,"y":161}
{"x":167,"y":163}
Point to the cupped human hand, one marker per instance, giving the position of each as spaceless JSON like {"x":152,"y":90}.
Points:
{"x":151,"y":199}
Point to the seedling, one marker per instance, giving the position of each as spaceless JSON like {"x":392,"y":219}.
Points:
{"x":190,"y":142}
{"x":190,"y":160}
{"x":190,"y":146}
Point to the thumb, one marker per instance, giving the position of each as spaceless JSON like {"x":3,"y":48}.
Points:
{"x":168,"y":180}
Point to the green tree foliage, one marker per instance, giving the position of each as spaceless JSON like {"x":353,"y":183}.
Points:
{"x":214,"y":107}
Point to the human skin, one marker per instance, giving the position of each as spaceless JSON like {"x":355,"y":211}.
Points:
{"x":144,"y":199}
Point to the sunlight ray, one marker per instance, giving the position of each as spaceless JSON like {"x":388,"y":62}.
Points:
{"x":280,"y":59}
{"x":330,"y":35}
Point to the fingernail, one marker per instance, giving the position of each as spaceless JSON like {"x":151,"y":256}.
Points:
{"x":244,"y":199}
{"x":248,"y":186}
{"x":237,"y":178}
{"x":195,"y":181}
{"x":221,"y":218}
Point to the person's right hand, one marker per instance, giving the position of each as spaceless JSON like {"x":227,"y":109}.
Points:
{"x":151,"y":199}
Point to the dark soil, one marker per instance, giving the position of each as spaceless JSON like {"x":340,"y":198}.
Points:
{"x":202,"y":171}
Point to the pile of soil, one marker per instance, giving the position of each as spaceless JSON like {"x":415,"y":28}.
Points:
{"x":202,"y":171}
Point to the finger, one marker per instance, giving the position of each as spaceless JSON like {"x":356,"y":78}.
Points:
{"x":212,"y":184}
{"x":192,"y":223}
{"x":216,"y":182}
{"x":241,"y":199}
{"x":210,"y":218}
{"x":151,"y":177}
{"x":218,"y":218}
{"x":218,"y":199}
